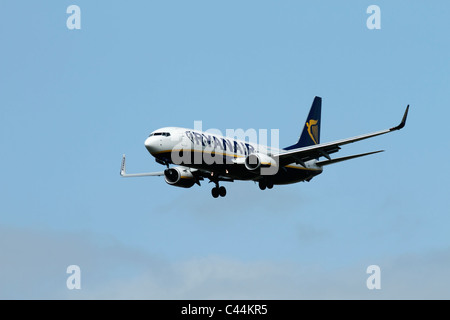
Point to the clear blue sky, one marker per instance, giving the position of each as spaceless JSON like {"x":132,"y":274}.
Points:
{"x":73,"y":101}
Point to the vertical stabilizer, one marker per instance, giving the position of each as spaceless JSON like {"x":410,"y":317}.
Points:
{"x":311,"y":131}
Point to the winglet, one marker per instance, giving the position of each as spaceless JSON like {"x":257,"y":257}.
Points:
{"x":402,"y":124}
{"x":122,"y":167}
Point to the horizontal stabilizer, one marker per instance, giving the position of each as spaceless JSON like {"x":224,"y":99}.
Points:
{"x":327,"y":162}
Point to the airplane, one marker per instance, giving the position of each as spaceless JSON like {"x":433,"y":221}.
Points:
{"x":200,"y":155}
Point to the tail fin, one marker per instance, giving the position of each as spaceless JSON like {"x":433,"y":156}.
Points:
{"x":311,"y":131}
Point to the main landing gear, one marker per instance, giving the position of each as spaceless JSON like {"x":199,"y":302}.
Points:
{"x":218,"y":191}
{"x":263,"y":184}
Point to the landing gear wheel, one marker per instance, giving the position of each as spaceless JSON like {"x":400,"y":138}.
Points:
{"x":222,"y":191}
{"x":262,"y":184}
{"x":269,"y":184}
{"x":215,"y":192}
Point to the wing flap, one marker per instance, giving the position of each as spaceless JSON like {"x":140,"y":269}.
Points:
{"x":331,"y":161}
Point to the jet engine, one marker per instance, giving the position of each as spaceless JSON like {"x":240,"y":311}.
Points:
{"x":179,"y":177}
{"x":254,"y":161}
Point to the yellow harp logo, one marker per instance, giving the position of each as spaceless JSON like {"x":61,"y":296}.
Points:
{"x":313,"y":130}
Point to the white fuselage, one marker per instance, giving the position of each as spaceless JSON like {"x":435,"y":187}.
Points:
{"x":212,"y":152}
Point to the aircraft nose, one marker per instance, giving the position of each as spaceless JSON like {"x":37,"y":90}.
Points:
{"x":151,"y":144}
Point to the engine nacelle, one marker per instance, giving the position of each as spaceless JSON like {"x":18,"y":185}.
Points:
{"x":179,"y":177}
{"x":254,"y":161}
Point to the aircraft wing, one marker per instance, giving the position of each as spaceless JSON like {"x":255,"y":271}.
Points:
{"x":301,"y":155}
{"x":124,"y":174}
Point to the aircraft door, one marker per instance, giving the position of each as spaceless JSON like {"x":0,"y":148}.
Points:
{"x":184,"y":142}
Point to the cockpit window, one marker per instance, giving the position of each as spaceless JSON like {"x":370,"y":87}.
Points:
{"x":164,"y":134}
